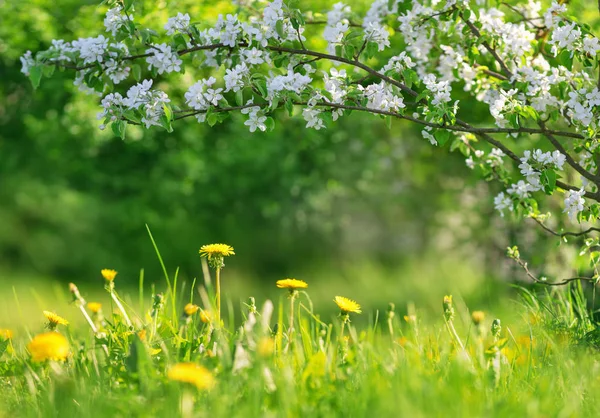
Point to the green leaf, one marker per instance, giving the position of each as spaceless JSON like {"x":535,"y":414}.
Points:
{"x":279,"y":28}
{"x":211,"y":119}
{"x":289,"y":106}
{"x":137,"y":72}
{"x":441,"y":136}
{"x":239,"y":97}
{"x":168,"y":112}
{"x":118,"y":128}
{"x":349,"y":51}
{"x":270,"y":123}
{"x":35,"y":75}
{"x":128,"y":4}
{"x":354,"y":34}
{"x":3,"y":346}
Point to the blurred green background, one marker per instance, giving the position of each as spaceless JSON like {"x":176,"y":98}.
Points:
{"x":358,"y":209}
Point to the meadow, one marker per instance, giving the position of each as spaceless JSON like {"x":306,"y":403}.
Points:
{"x":170,"y":353}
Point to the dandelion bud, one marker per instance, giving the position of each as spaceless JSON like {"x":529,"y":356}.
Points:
{"x":477,"y":317}
{"x":75,"y":292}
{"x":496,"y":328}
{"x":391,"y":310}
{"x":448,"y":308}
{"x":190,"y":309}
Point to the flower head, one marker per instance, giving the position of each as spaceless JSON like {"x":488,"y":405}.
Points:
{"x":347,"y":305}
{"x":477,"y":317}
{"x":6,"y":334}
{"x":215,"y":253}
{"x":205,"y":316}
{"x":54,"y":319}
{"x":192,"y":373}
{"x":216,"y":250}
{"x":291,"y":284}
{"x":108,"y":274}
{"x":95,"y":307}
{"x":48,"y":346}
{"x":190,"y":309}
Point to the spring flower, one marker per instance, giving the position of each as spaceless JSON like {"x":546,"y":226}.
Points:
{"x":448,"y":308}
{"x":291,"y":284}
{"x":347,"y":305}
{"x":108,"y":274}
{"x":95,"y":307}
{"x":411,"y":319}
{"x":54,"y":319}
{"x":192,"y":373}
{"x":6,"y":334}
{"x":48,"y":346}
{"x":216,"y":250}
{"x":205,"y":316}
{"x":477,"y":317}
{"x":266,"y":347}
{"x":190,"y":309}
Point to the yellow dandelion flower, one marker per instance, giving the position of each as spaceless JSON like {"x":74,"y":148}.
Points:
{"x":205,"y":316}
{"x":411,"y":319}
{"x":266,"y":347}
{"x":48,"y":346}
{"x":54,"y":319}
{"x":190,"y":309}
{"x":6,"y":334}
{"x":108,"y":274}
{"x":477,"y":317}
{"x":142,"y":334}
{"x":291,"y":284}
{"x":216,"y":250}
{"x":192,"y":373}
{"x":347,"y":305}
{"x":95,"y":307}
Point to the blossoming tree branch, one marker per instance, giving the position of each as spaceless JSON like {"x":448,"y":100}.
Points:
{"x":532,"y":68}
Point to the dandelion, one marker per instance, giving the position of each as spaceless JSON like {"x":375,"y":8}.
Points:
{"x":215,"y":254}
{"x":477,"y":317}
{"x":192,"y":373}
{"x":347,"y":305}
{"x":449,"y":317}
{"x":216,"y":251}
{"x":109,"y":274}
{"x":48,"y":346}
{"x":291,"y":284}
{"x":190,"y":309}
{"x":95,"y":307}
{"x":266,"y":347}
{"x":54,"y":320}
{"x":205,"y":316}
{"x":410,"y":319}
{"x":6,"y":334}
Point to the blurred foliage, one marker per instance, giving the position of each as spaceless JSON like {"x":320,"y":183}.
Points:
{"x":74,"y":199}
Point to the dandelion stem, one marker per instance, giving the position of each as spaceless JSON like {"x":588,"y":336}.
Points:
{"x":218,"y":289}
{"x":114,"y":296}
{"x":454,"y":334}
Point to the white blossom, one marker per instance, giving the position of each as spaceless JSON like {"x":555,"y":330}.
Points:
{"x":163,"y":58}
{"x":114,"y":20}
{"x":91,"y":49}
{"x":27,"y":62}
{"x":574,"y":203}
{"x":179,"y":23}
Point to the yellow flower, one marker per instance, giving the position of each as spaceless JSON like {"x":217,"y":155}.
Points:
{"x":266,"y":346}
{"x":477,"y":317}
{"x":190,"y":309}
{"x":410,"y":318}
{"x":48,"y":346}
{"x":192,"y":373}
{"x":6,"y":334}
{"x":291,"y":284}
{"x":205,"y":316}
{"x":95,"y":307}
{"x":55,"y":319}
{"x":142,"y":334}
{"x":347,"y":305}
{"x":216,"y":250}
{"x":108,"y":274}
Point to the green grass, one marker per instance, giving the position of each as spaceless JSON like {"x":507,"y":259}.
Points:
{"x":542,"y":363}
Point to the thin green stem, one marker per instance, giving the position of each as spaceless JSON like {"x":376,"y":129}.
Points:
{"x":218,"y":289}
{"x":115,"y":298}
